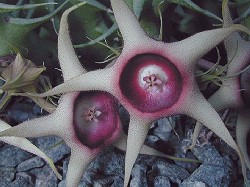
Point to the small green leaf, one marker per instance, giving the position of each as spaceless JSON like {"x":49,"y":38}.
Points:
{"x":93,"y":3}
{"x":150,"y":27}
{"x":34,"y":22}
{"x":14,"y":31}
{"x":243,"y":16}
{"x":96,"y":4}
{"x":9,"y":8}
{"x":190,"y":5}
{"x":129,"y":3}
{"x":137,"y":7}
{"x":100,"y":38}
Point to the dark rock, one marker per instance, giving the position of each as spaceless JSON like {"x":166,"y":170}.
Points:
{"x":151,"y":140}
{"x":44,"y":177}
{"x":174,"y":173}
{"x":148,"y":168}
{"x":11,"y":156}
{"x":62,"y":183}
{"x":181,"y":152}
{"x":51,"y":147}
{"x":163,"y":128}
{"x":215,"y":170}
{"x":161,"y":181}
{"x":21,"y":112}
{"x":111,"y":161}
{"x":193,"y":184}
{"x":31,"y":163}
{"x":214,"y":176}
{"x":224,"y":149}
{"x":7,"y":174}
{"x":105,"y":181}
{"x":118,"y":182}
{"x":189,"y":166}
{"x":22,"y":180}
{"x":208,"y":155}
{"x":138,"y":176}
{"x":37,"y":110}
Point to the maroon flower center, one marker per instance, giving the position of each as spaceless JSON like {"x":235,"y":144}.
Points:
{"x":96,"y":118}
{"x":150,"y":83}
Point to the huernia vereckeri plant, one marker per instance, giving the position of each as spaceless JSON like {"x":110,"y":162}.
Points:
{"x":233,"y":93}
{"x":151,"y":79}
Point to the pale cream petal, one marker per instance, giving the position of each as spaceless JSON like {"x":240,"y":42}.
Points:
{"x":77,"y":164}
{"x":59,"y":123}
{"x":238,"y":49}
{"x":199,"y":108}
{"x":231,"y":43}
{"x":43,"y":126}
{"x":129,"y":26}
{"x":69,"y":62}
{"x":137,"y":132}
{"x":238,"y":53}
{"x":93,"y":80}
{"x":196,"y":46}
{"x":196,"y":133}
{"x":227,"y":20}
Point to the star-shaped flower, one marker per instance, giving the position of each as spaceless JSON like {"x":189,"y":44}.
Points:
{"x":141,"y":58}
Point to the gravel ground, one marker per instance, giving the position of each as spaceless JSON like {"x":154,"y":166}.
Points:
{"x":219,"y":168}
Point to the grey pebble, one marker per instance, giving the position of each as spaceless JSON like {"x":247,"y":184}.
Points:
{"x":31,"y":163}
{"x":11,"y":156}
